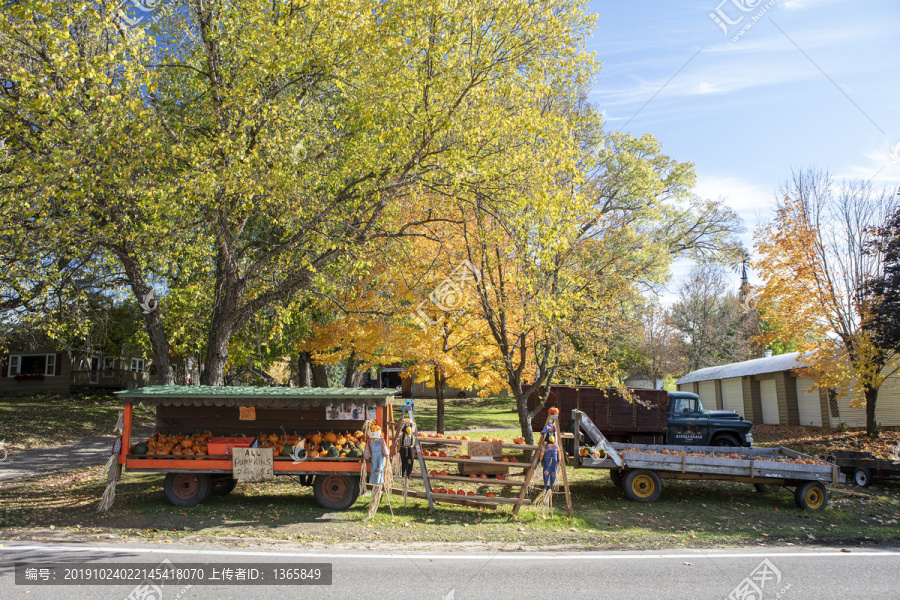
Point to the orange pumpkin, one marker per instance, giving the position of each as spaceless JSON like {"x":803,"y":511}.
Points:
{"x":317,"y":439}
{"x":330,"y":437}
{"x":187,"y":444}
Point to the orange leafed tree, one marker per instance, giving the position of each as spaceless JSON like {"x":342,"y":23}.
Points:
{"x":815,"y":260}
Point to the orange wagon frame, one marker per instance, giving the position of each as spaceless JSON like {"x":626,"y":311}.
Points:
{"x":192,"y":468}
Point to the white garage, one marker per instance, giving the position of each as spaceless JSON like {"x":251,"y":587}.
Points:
{"x":708,"y":394}
{"x":733,"y":395}
{"x":769,"y":397}
{"x":808,"y":403}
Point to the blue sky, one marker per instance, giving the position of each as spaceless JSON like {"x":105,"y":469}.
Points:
{"x":808,"y":83}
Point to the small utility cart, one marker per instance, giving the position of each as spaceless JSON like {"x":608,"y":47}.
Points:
{"x":639,"y":468}
{"x":863,"y":467}
{"x":227,"y":419}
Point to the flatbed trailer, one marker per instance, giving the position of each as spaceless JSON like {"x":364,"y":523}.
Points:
{"x":226,"y":411}
{"x":863,"y":467}
{"x":640,"y":468}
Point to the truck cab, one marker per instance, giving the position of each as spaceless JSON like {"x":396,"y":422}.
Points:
{"x":689,"y":424}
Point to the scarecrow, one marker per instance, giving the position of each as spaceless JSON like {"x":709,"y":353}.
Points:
{"x":406,"y":444}
{"x":377,"y":451}
{"x":549,"y":459}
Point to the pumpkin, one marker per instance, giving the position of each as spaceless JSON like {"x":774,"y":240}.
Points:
{"x":141,"y":448}
{"x":287,"y":451}
{"x":187,"y":443}
{"x":490,"y":495}
{"x":333,"y":452}
{"x":312,"y":454}
{"x":330,"y":437}
{"x":317,"y":439}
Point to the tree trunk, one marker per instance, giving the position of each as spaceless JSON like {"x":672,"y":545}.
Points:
{"x":871,"y":394}
{"x":319,"y":375}
{"x":439,"y":381}
{"x":216,"y":357}
{"x":304,"y":378}
{"x":352,"y":376}
{"x":162,"y":356}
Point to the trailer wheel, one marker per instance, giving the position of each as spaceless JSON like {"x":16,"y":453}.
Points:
{"x":222,"y":486}
{"x":616,"y":477}
{"x":336,"y":492}
{"x":863,"y":477}
{"x":811,"y":496}
{"x":764,"y":488}
{"x":642,"y":485}
{"x":186,"y":489}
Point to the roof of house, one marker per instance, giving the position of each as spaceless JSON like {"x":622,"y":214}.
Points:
{"x":263,"y":397}
{"x":757,"y":366}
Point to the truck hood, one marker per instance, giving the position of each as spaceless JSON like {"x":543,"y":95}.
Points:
{"x":722,"y":414}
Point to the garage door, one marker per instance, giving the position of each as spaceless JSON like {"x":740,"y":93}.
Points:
{"x":808,"y":403}
{"x":769,"y":401}
{"x":708,"y":394}
{"x":733,"y":395}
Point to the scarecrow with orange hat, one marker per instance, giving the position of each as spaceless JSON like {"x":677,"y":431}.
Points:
{"x":550,"y":458}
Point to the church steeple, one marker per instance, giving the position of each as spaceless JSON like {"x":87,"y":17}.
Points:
{"x":745,"y":281}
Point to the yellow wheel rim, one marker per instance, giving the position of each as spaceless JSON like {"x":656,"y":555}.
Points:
{"x":643,"y":486}
{"x":814,"y":498}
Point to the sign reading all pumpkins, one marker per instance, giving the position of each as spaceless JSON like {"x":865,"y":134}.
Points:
{"x":253,"y":464}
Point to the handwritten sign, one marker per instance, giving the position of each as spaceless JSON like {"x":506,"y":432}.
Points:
{"x":253,"y":464}
{"x":248,"y":413}
{"x":484,"y":449}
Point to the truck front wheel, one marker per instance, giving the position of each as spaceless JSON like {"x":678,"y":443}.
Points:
{"x":642,"y":485}
{"x":726,"y":440}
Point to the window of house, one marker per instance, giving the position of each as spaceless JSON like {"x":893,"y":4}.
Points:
{"x":108,"y":363}
{"x":35,"y":364}
{"x":137,"y":364}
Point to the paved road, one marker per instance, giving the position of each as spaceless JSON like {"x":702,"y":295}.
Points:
{"x":31,"y":463}
{"x":792,"y":575}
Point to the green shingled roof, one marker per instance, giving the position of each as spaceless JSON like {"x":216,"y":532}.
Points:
{"x":264,"y":397}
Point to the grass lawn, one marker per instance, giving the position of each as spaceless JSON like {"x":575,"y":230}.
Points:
{"x":466,"y":413}
{"x":41,"y":421}
{"x":688,"y":515}
{"x":61,"y":506}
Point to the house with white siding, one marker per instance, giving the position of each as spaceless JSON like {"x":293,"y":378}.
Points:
{"x":769,"y":390}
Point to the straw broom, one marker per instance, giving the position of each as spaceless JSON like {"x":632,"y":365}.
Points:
{"x":362,"y":469}
{"x":112,"y":471}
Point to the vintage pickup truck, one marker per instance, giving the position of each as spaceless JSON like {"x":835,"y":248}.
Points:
{"x":650,"y":417}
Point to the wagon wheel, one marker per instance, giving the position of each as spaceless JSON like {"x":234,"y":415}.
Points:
{"x":811,"y":496}
{"x":186,"y":489}
{"x":616,"y":477}
{"x":336,"y":492}
{"x":222,"y":486}
{"x":862,"y":477}
{"x":642,"y":485}
{"x":765,"y":488}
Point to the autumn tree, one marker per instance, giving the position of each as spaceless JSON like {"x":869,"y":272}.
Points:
{"x":708,"y":316}
{"x":817,"y":261}
{"x":659,"y":350}
{"x":568,"y":259}
{"x":272,"y":147}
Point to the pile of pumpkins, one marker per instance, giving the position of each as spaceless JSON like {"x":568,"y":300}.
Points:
{"x":335,"y":445}
{"x":177,"y":444}
{"x":781,"y":459}
{"x":318,"y":445}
